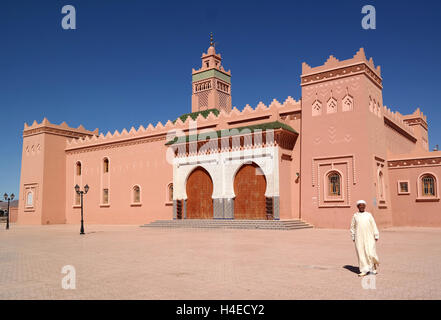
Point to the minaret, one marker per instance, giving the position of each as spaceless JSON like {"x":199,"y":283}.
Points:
{"x":211,"y":84}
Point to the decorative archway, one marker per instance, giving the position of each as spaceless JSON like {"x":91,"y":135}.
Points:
{"x":250,"y":187}
{"x":199,"y":195}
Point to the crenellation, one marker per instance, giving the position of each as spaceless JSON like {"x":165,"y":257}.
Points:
{"x":275,"y":104}
{"x":62,"y":129}
{"x":341,"y":65}
{"x":247,"y":113}
{"x":397,"y":118}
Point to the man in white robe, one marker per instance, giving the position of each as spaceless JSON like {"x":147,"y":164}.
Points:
{"x":364,"y":233}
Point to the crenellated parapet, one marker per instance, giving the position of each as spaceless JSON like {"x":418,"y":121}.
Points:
{"x":58,"y":129}
{"x":416,"y":118}
{"x":236,"y":118}
{"x":397,"y":120}
{"x":335,"y":69}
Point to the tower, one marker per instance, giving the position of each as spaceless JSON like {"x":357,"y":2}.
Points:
{"x":211,"y":84}
{"x":418,"y":121}
{"x":344,"y":150}
{"x":42,"y":198}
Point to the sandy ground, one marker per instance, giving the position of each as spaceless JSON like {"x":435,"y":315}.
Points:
{"x":129,"y":262}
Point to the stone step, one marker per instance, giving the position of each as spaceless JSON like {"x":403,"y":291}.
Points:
{"x":229,"y":227}
{"x":229,"y":220}
{"x":230,"y":224}
{"x":227,"y":224}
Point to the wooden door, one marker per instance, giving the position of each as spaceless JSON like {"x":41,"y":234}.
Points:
{"x":199,"y":191}
{"x":249,"y":187}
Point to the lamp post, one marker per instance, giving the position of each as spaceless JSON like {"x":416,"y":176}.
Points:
{"x":77,"y":190}
{"x":8,"y":198}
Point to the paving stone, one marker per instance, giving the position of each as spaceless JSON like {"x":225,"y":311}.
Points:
{"x":129,"y":262}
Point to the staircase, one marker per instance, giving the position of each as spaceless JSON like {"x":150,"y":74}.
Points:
{"x":230,"y":224}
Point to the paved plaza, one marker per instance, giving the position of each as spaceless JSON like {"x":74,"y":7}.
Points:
{"x":129,"y":262}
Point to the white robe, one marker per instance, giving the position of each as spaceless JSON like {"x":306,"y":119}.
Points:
{"x":364,"y":231}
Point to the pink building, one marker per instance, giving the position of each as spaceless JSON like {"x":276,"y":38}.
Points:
{"x":309,"y":159}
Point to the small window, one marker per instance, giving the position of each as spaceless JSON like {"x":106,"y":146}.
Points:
{"x":77,"y":199}
{"x":381,"y":185}
{"x":207,"y":64}
{"x":136,"y":194}
{"x":404,"y":187}
{"x":29,"y":199}
{"x":78,"y":168}
{"x":428,"y":185}
{"x":170,"y":192}
{"x":105,"y":196}
{"x":334,"y":184}
{"x":106,"y":165}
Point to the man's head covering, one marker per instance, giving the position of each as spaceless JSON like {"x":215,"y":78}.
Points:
{"x":360,"y":202}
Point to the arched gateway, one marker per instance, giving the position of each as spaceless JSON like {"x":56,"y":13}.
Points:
{"x":199,"y":195}
{"x":249,"y":187}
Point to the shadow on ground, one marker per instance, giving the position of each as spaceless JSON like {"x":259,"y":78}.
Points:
{"x":352,"y":269}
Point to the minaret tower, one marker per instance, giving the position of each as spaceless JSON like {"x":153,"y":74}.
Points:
{"x":211,"y":84}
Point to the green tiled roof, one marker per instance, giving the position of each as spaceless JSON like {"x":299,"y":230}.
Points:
{"x":194,"y":115}
{"x":233,"y":131}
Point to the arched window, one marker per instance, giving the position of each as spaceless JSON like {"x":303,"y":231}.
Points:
{"x":381,"y":185}
{"x":334,"y":184}
{"x":106,"y":196}
{"x":106,"y":165}
{"x":428,"y":185}
{"x":136,"y":194}
{"x":29,"y":199}
{"x":78,"y":168}
{"x":77,"y":199}
{"x":170,"y":192}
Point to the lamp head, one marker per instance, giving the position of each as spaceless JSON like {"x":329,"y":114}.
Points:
{"x":12,"y":196}
{"x":5,"y":196}
{"x":77,"y":188}
{"x":86,"y":188}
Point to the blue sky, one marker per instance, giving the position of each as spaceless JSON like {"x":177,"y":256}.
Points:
{"x":129,"y":63}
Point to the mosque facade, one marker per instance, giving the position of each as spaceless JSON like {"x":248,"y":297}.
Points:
{"x":309,"y":159}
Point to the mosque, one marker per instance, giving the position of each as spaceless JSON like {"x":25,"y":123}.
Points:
{"x":309,"y":159}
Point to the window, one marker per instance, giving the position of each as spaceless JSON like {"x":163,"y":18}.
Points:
{"x":332,"y":105}
{"x":106,"y":165}
{"x":316,"y":108}
{"x":77,"y":199}
{"x":348,"y":103}
{"x":29,"y":199}
{"x":428,"y":185}
{"x":334,"y":184}
{"x":78,"y":168}
{"x":136,"y":194}
{"x":105,"y":196}
{"x":404,"y":187}
{"x":380,"y":186}
{"x":170,"y":192}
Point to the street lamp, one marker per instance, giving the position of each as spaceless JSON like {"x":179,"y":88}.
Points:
{"x":8,"y":198}
{"x":77,"y":190}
